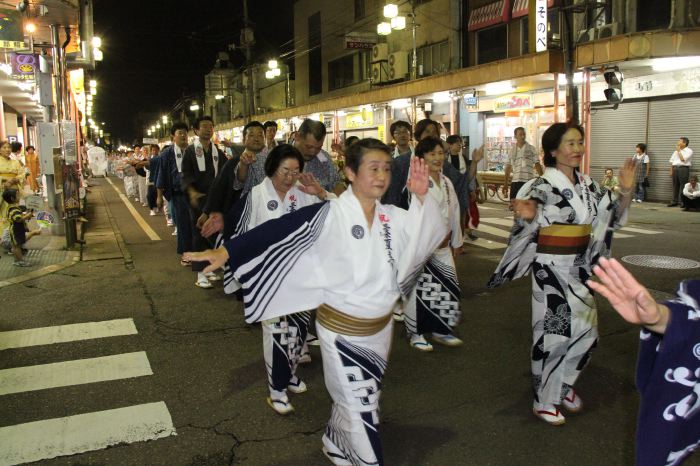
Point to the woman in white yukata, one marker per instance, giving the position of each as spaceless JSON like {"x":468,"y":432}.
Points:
{"x":351,"y":257}
{"x":433,"y":305}
{"x":563,"y":225}
{"x":280,"y":193}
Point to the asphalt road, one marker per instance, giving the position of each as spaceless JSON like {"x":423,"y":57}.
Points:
{"x":468,"y":405}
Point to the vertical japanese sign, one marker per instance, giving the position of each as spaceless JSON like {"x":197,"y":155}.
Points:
{"x":71,"y":190}
{"x":540,"y":25}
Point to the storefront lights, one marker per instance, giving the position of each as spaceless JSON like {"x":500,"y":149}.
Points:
{"x":398,"y":23}
{"x":441,"y":97}
{"x":391,"y":10}
{"x":194,"y":107}
{"x":97,"y":54}
{"x":30,"y":28}
{"x":164,"y":118}
{"x":675,"y":63}
{"x":400,"y":103}
{"x":93,"y":90}
{"x":502,"y":87}
{"x":96,"y":42}
{"x":158,"y":126}
{"x":383,"y":29}
{"x":272,"y":64}
{"x":219,"y":96}
{"x":93,"y":83}
{"x":148,"y":132}
{"x":89,"y":97}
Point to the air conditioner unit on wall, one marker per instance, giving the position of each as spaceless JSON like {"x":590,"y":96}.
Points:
{"x":379,"y":73}
{"x":608,"y":30}
{"x":398,"y":66}
{"x":587,"y":35}
{"x":380,"y":52}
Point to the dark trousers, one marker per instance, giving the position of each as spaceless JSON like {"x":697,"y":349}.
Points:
{"x":151,"y":196}
{"x":680,"y":178}
{"x":181,"y":217}
{"x":515,"y":187}
{"x":691,"y":203}
{"x":199,"y":242}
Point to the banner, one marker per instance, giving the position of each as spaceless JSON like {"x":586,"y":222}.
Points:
{"x":71,"y":190}
{"x":11,"y":35}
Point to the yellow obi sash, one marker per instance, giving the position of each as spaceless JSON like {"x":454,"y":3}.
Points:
{"x":564,"y":239}
{"x":344,"y":324}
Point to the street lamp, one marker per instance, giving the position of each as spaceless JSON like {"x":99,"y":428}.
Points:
{"x":384,"y":29}
{"x":194,"y":107}
{"x":391,"y":10}
{"x":165,"y":119}
{"x":398,"y":23}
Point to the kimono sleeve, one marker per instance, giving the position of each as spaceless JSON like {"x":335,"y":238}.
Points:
{"x":424,"y":229}
{"x":277,"y":266}
{"x":610,"y":217}
{"x":457,"y":239}
{"x":668,"y":373}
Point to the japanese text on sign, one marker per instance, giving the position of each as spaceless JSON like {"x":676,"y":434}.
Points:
{"x":541,"y":25}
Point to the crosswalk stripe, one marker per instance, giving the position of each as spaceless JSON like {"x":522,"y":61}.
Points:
{"x":66,"y":333}
{"x":39,"y":440}
{"x":486,"y":244}
{"x":642,"y":231}
{"x":78,"y":372}
{"x":506,"y":222}
{"x":494,"y":231}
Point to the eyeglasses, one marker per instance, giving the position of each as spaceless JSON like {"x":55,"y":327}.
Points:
{"x":285,"y":172}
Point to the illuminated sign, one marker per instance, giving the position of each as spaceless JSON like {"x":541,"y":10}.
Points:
{"x":541,"y":25}
{"x":363,"y":119}
{"x":511,"y":102}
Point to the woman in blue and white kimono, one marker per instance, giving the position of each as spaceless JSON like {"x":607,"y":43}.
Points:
{"x":433,"y":305}
{"x":563,"y":224}
{"x":280,"y":193}
{"x":353,"y":258}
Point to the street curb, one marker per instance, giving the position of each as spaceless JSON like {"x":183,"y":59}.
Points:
{"x":128,"y":259}
{"x":73,"y":258}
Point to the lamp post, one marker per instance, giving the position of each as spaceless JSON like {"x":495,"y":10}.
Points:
{"x":398,"y":23}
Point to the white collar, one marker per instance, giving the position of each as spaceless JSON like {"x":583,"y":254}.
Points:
{"x":583,"y":208}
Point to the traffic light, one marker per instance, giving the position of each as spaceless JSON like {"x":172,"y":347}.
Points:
{"x":614,"y":78}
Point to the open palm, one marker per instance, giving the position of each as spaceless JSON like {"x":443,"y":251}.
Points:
{"x":418,"y":182}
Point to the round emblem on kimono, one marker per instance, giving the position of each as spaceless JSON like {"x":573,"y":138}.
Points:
{"x":567,"y":194}
{"x":696,"y":351}
{"x":358,"y":232}
{"x":430,"y":183}
{"x":272,"y":205}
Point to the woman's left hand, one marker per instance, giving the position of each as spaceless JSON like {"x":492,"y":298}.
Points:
{"x":627,"y":176}
{"x":216,"y":258}
{"x":418,"y":182}
{"x":310,"y":185}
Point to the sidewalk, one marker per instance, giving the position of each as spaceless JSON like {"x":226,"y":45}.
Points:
{"x":48,"y":254}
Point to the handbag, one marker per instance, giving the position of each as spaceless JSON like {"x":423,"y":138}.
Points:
{"x":646,"y":182}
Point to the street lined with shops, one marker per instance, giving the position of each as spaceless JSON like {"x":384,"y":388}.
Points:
{"x":181,"y":380}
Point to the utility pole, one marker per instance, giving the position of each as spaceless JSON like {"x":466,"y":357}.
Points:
{"x":247,"y":41}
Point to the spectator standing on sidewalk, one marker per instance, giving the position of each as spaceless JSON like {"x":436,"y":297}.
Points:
{"x":200,"y":165}
{"x":680,"y":169}
{"x":641,"y":159}
{"x":691,"y":194}
{"x":11,"y":174}
{"x":523,"y":162}
{"x":32,"y":160}
{"x":169,"y":185}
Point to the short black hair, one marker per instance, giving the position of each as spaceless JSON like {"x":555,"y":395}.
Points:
{"x":427,"y":145}
{"x":686,"y":140}
{"x":137,"y":145}
{"x":552,"y":138}
{"x":279,"y":154}
{"x":15,"y":146}
{"x":356,"y":151}
{"x":199,"y":120}
{"x":30,"y":147}
{"x":270,"y":123}
{"x":453,"y":139}
{"x":350,"y":140}
{"x":519,"y":128}
{"x":10,"y":196}
{"x":177,"y":126}
{"x":642,"y":146}
{"x":399,"y":124}
{"x":313,"y":127}
{"x":252,"y":124}
{"x":423,"y":124}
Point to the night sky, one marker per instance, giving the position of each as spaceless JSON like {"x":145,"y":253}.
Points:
{"x":156,"y":51}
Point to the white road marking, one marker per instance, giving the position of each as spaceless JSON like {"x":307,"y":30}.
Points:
{"x":66,"y":333}
{"x":40,"y":440}
{"x":484,"y":243}
{"x":78,"y":372}
{"x":493,"y":231}
{"x":134,"y":213}
{"x":641,"y":230}
{"x":507,"y":222}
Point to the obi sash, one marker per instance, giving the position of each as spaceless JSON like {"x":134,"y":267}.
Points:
{"x":563,"y":239}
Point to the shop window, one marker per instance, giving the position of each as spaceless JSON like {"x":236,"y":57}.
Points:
{"x":315,"y":62}
{"x":348,"y":70}
{"x":492,"y":44}
{"x":359,"y":9}
{"x":434,"y":58}
{"x":653,"y":14}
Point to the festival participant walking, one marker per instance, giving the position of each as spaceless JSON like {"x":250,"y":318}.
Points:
{"x":352,"y":257}
{"x":564,"y":223}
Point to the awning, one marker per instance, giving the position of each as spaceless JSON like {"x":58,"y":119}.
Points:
{"x":489,"y":15}
{"x":521,"y":7}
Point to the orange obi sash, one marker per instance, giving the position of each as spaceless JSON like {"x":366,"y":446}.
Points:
{"x":564,"y":239}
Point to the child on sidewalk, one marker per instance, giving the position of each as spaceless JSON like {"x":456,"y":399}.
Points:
{"x":19,"y":233}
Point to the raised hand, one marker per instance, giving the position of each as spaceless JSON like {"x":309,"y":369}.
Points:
{"x":309,"y":184}
{"x":248,"y":157}
{"x":418,"y":181}
{"x":477,"y":154}
{"x":629,"y":298}
{"x":214,"y":224}
{"x":627,"y":175}
{"x":524,"y":209}
{"x":216,"y":258}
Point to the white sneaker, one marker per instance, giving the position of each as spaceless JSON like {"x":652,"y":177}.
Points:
{"x":572,"y":402}
{"x":549,"y":413}
{"x":312,"y":340}
{"x":296,"y":386}
{"x":174,"y":233}
{"x":420,"y":343}
{"x":304,"y":359}
{"x":447,"y":340}
{"x":282,"y":407}
{"x":153,"y":213}
{"x":212,"y":277}
{"x":202,"y":281}
{"x":169,"y":223}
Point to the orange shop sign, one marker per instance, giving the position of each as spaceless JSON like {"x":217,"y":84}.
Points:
{"x":509,"y":102}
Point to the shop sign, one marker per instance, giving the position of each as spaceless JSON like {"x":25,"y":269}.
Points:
{"x":24,"y":65}
{"x":471,"y":101}
{"x":71,"y":190}
{"x":150,"y":141}
{"x":11,"y":35}
{"x":381,"y":132}
{"x":360,"y":40}
{"x":540,"y":25}
{"x":328,"y":122}
{"x":363,"y":119}
{"x":510,"y":102}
